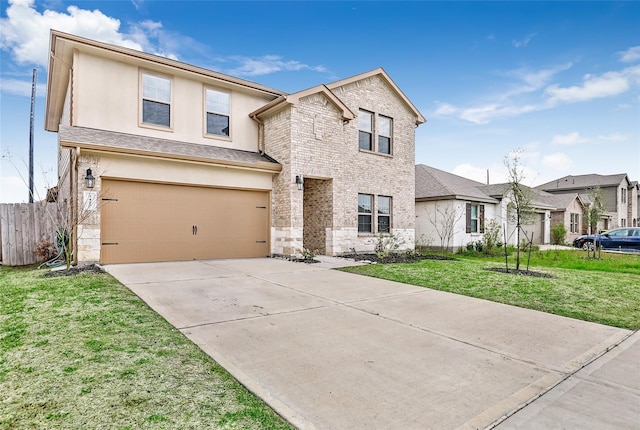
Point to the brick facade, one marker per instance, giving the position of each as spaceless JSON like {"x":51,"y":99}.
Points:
{"x":311,"y":139}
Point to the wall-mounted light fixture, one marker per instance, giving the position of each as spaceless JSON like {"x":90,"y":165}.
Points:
{"x":299,"y":182}
{"x":89,"y":180}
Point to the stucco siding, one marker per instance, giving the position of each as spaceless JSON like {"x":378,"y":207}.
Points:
{"x":114,"y":103}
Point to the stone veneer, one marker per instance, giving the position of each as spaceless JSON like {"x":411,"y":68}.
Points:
{"x":88,"y":220}
{"x":311,"y":139}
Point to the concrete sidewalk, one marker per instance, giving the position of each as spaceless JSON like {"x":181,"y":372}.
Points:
{"x":333,"y":350}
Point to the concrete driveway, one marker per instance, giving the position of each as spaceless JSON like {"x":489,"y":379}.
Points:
{"x":332,"y":350}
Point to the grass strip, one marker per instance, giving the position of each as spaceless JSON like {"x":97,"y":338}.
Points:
{"x":84,"y":352}
{"x":611,"y":298}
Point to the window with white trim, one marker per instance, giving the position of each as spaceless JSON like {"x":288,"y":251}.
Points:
{"x":384,"y":134}
{"x":384,"y":214}
{"x":365,"y":135}
{"x":574,"y":224}
{"x":371,"y":124}
{"x":365,"y":213}
{"x":156,"y":100}
{"x":217,"y":112}
{"x":374,"y":213}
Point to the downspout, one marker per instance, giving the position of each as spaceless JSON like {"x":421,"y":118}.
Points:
{"x":261,"y":144}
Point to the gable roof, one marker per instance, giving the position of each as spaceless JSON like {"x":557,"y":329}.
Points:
{"x":61,"y":61}
{"x":581,"y":182}
{"x":294,"y":98}
{"x":539,"y":199}
{"x":381,"y":72}
{"x":326,"y":90}
{"x":435,"y":184}
{"x":562,"y":201}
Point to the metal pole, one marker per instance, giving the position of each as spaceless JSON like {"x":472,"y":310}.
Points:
{"x":33,"y":105}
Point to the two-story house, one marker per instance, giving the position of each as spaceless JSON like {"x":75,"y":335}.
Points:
{"x":161,"y":160}
{"x":620,"y":197}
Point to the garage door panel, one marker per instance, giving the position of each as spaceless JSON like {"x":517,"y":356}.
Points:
{"x":145,"y":222}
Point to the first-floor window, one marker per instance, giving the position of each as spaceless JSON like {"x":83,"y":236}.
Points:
{"x":374,"y":213}
{"x":384,"y":214}
{"x":623,"y":222}
{"x":575,"y":218}
{"x":365,"y":211}
{"x":475,"y":218}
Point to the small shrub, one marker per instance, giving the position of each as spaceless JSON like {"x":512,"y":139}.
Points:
{"x":307,"y":254}
{"x":387,"y":244}
{"x":558,"y":234}
{"x":490,"y":238}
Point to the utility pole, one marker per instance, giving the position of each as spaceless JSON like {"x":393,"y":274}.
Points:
{"x":33,"y":105}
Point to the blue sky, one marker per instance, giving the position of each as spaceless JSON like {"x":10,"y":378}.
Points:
{"x":559,"y":81}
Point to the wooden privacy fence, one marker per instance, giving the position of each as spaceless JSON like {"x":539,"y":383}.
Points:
{"x":22,"y":226}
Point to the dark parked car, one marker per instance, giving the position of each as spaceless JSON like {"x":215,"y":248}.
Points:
{"x":624,"y":238}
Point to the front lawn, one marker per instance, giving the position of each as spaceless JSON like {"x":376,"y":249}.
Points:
{"x":605,"y":291}
{"x":574,"y":259}
{"x":83,"y":352}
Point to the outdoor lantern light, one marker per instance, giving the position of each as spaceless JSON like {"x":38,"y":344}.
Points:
{"x":89,"y":180}
{"x":299,"y":182}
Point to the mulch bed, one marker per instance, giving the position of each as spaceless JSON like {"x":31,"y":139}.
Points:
{"x":396,"y":258}
{"x":520,"y":272}
{"x":75,"y":270}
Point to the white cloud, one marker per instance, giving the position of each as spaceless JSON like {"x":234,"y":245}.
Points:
{"x":630,"y":55}
{"x":524,"y":42}
{"x":468,"y":171}
{"x":268,"y":64}
{"x":614,"y":137}
{"x":445,"y":109}
{"x":487,"y":113}
{"x":25,"y":31}
{"x":593,"y":87}
{"x":573,"y":138}
{"x":558,"y":161}
{"x":21,"y":87}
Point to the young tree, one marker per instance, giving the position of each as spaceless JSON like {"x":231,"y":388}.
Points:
{"x":444,"y":220}
{"x":519,"y":210}
{"x":594,"y":212}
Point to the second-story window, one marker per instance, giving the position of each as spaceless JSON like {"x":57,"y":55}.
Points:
{"x":156,"y":100}
{"x":217,"y":112}
{"x":384,"y":134}
{"x":365,"y":135}
{"x":375,"y":132}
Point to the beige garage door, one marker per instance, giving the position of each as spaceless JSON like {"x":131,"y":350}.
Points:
{"x":144,"y":222}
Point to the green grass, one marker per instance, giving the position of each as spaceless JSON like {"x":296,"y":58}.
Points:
{"x":604,"y":291}
{"x":84,"y":352}
{"x":574,"y":259}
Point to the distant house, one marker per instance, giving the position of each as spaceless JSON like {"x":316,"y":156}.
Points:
{"x":569,"y":211}
{"x":442,"y":197}
{"x":191,"y":164}
{"x":619,"y":193}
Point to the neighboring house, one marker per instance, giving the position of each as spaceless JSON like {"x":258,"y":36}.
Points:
{"x":569,"y":211}
{"x":193,"y":164}
{"x":445,"y":200}
{"x":620,"y":197}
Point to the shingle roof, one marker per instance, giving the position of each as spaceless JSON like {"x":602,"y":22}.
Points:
{"x":539,"y":199}
{"x":128,"y":143}
{"x":582,"y":181}
{"x":435,"y":184}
